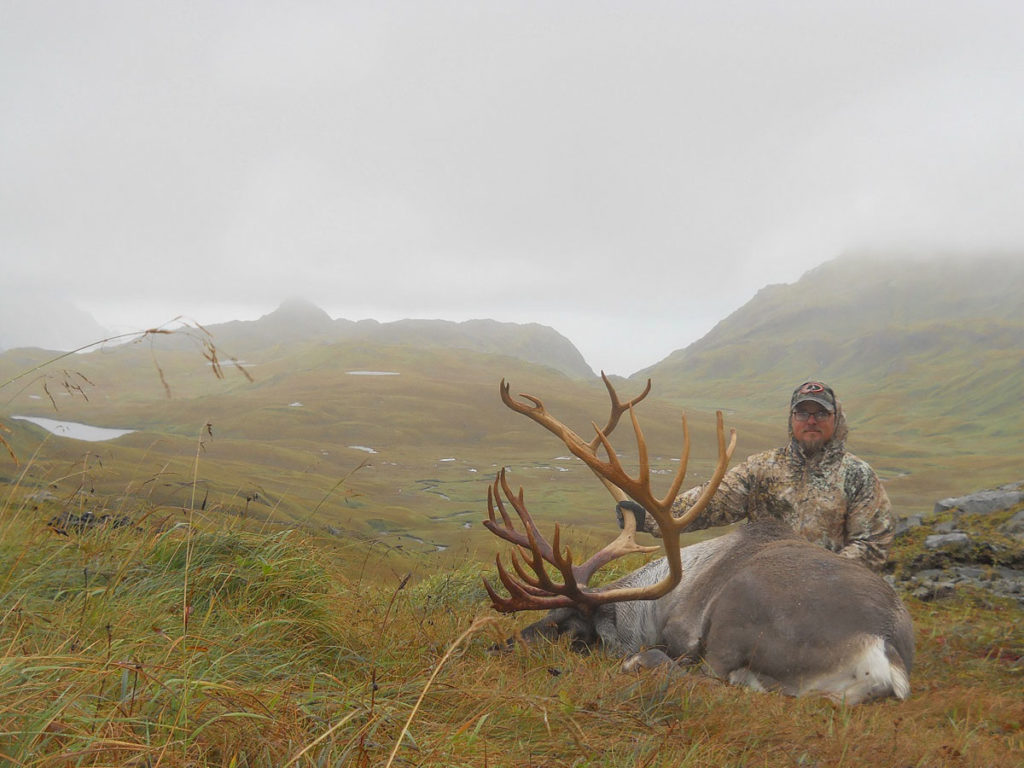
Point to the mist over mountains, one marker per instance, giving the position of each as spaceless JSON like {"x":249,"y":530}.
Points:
{"x":932,"y":327}
{"x":299,"y":320}
{"x":927,"y":358}
{"x":861,"y":316}
{"x":930,"y":348}
{"x":916,"y":346}
{"x":27,"y":322}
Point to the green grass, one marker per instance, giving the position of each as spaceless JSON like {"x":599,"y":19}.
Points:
{"x":281,"y":465}
{"x":190,"y":643}
{"x":280,"y":603}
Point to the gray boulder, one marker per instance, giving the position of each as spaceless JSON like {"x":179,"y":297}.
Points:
{"x":985,"y":502}
{"x":1014,"y":526}
{"x":955,"y":541}
{"x":908,"y":523}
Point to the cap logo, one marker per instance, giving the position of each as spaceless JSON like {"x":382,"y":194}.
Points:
{"x":811,"y":388}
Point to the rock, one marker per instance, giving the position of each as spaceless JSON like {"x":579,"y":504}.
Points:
{"x":907,"y":523}
{"x":71,"y":523}
{"x":961,"y":555}
{"x":1014,"y":526}
{"x":985,"y":502}
{"x":934,"y":590}
{"x":966,"y":573}
{"x":936,"y":583}
{"x":956,"y":540}
{"x":929,"y":574}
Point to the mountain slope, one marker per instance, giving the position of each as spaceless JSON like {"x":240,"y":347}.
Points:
{"x":393,"y":442}
{"x":297,"y":320}
{"x":926,"y":354}
{"x":928,"y":359}
{"x":869,"y":323}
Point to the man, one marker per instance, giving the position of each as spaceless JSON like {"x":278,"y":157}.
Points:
{"x":826,"y":494}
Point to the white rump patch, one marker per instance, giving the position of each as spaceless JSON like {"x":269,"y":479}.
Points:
{"x":866,"y":674}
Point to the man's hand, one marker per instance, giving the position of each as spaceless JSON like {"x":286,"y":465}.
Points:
{"x":638,"y":512}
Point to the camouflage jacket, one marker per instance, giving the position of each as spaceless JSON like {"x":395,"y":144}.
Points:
{"x":832,"y":498}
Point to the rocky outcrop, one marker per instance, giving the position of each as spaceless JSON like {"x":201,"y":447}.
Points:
{"x":975,"y":540}
{"x":984,"y":502}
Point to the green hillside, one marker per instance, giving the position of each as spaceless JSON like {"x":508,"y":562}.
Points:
{"x":300,"y":581}
{"x":298,"y":321}
{"x":395,"y":444}
{"x":927,"y":356}
{"x":396,"y":440}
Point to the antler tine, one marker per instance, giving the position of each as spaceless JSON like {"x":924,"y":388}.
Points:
{"x":540,"y":414}
{"x":724,"y":454}
{"x":543,"y":581}
{"x":521,"y":597}
{"x":623,"y":544}
{"x":494,"y":499}
{"x":537,"y":590}
{"x":541,"y":592}
{"x":536,"y":550}
{"x":618,"y":407}
{"x":530,"y":540}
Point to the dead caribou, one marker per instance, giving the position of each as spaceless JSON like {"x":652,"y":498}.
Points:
{"x":759,"y":606}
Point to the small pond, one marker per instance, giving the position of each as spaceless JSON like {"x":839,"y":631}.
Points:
{"x":75,"y":430}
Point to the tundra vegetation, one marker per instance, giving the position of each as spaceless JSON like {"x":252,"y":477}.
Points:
{"x":193,"y":639}
{"x":232,"y":586}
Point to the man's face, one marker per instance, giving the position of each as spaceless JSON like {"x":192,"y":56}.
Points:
{"x":813,"y":426}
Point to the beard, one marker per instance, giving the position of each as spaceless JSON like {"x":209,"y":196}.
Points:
{"x":812,"y":444}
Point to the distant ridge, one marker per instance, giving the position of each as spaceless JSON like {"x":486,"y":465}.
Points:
{"x":298,"y":320}
{"x":932,"y":340}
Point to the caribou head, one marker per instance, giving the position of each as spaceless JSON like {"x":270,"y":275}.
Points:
{"x":758,"y":606}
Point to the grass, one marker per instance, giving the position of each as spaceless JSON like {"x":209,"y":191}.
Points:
{"x":273,"y":462}
{"x":229,"y":626}
{"x":177,"y":643}
{"x":277,"y":462}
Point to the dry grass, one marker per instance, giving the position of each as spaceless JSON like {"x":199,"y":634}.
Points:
{"x":197,"y":639}
{"x":181,"y":645}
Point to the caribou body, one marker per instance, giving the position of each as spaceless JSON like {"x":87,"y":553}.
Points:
{"x":758,"y":606}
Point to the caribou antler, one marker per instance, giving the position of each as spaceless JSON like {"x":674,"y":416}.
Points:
{"x":531,"y":590}
{"x":538,"y":413}
{"x":538,"y":590}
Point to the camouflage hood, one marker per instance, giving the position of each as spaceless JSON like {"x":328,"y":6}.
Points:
{"x":831,"y":452}
{"x":831,"y":498}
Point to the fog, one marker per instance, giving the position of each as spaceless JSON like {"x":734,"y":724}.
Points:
{"x":628,"y":173}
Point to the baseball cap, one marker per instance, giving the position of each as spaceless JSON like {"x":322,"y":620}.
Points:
{"x":815,"y":392}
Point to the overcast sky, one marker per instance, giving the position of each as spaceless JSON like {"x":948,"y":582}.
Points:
{"x":626,"y":172}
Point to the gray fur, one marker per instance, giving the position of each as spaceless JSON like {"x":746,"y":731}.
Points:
{"x":760,"y":607}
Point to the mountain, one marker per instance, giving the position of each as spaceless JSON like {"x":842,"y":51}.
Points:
{"x":299,"y":321}
{"x":927,"y":356}
{"x":917,"y":348}
{"x":32,"y":321}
